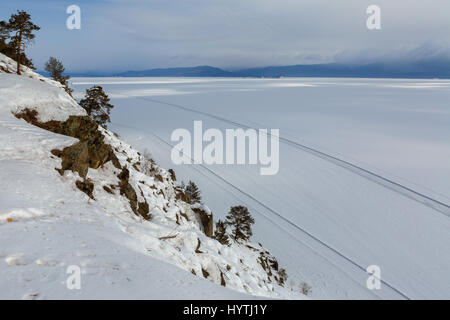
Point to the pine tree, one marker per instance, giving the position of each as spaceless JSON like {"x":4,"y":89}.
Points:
{"x":220,"y":233}
{"x":193,"y":193}
{"x":56,"y":70}
{"x":9,"y":50}
{"x":22,"y":28}
{"x":4,"y":34}
{"x":241,"y":222}
{"x":96,"y":103}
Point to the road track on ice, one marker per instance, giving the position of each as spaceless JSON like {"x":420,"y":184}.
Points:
{"x":407,"y":192}
{"x":279,"y":215}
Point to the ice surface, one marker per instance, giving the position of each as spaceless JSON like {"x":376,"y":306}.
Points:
{"x":396,"y":128}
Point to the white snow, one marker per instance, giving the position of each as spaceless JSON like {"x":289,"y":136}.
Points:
{"x":396,"y":128}
{"x":324,"y":222}
{"x":47,"y":224}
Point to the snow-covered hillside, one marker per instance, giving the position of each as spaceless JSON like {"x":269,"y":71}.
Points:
{"x":104,"y":207}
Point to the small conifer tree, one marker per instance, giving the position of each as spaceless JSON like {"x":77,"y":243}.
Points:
{"x":240,"y":220}
{"x":56,"y":70}
{"x":220,"y":233}
{"x":193,"y":193}
{"x":22,"y":30}
{"x":96,"y":103}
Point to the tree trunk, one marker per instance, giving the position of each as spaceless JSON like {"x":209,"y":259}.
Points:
{"x":19,"y":46}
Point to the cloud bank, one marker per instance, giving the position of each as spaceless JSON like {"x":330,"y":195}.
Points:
{"x":141,"y":34}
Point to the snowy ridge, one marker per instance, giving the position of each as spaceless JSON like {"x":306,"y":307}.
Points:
{"x":8,"y":65}
{"x":34,"y":85}
{"x":35,"y":196}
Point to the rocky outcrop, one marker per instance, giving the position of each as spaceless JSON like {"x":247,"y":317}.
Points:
{"x":90,"y":152}
{"x":206,"y":219}
{"x":270,"y":265}
{"x":86,"y":186}
{"x":140,"y":208}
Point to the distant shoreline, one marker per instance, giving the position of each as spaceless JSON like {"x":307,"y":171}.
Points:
{"x":416,"y":70}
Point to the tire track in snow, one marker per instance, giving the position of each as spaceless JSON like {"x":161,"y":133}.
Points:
{"x":401,"y":189}
{"x":299,"y":228}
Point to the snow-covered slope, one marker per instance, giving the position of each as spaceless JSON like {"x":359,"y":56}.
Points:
{"x":127,"y":232}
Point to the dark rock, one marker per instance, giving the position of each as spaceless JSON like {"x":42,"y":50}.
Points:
{"x":90,"y":152}
{"x":107,"y":189}
{"x":86,"y":186}
{"x":206,"y":220}
{"x":172,"y":175}
{"x":222,"y":280}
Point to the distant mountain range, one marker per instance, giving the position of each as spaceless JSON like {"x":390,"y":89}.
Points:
{"x":374,"y":70}
{"x":201,"y":71}
{"x":418,"y":69}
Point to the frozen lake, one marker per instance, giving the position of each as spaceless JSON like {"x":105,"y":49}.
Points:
{"x":322,"y":220}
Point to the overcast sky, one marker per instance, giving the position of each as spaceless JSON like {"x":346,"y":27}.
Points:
{"x":118,"y":35}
